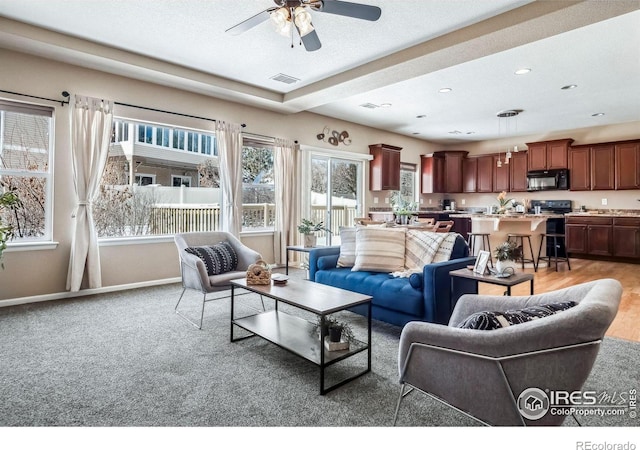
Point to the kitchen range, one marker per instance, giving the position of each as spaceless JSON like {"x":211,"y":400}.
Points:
{"x":554,"y":224}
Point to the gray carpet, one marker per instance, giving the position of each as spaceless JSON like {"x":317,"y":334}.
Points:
{"x":125,"y":359}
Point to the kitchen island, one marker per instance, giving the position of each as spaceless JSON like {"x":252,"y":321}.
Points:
{"x":498,"y":226}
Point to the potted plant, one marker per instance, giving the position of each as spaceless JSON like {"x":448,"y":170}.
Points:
{"x":335,"y":329}
{"x":504,"y":202}
{"x":10,"y":200}
{"x":308,"y":228}
{"x":506,"y":255}
{"x":402,"y":208}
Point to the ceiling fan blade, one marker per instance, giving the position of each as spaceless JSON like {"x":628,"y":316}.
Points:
{"x":356,"y":10}
{"x":250,"y":22}
{"x":311,"y":41}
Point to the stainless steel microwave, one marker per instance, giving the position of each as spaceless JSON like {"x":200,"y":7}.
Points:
{"x":547,"y":180}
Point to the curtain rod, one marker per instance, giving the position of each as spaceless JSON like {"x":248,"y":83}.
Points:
{"x":65,"y":94}
{"x":62,"y":102}
{"x":146,"y":108}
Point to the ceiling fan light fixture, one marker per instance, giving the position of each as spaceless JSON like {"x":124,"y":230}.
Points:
{"x":281,"y":18}
{"x":303,"y":20}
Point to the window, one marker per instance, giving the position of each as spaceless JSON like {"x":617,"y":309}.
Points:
{"x":144,"y":179}
{"x":408,"y":181}
{"x":171,"y":188}
{"x":258,"y":187}
{"x":26,"y":137}
{"x":179,"y":180}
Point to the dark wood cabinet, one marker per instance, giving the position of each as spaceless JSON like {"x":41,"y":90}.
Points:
{"x":432,"y":174}
{"x":627,"y":165}
{"x":485,"y":174}
{"x":500,"y":175}
{"x":453,"y":170}
{"x":469,"y":174}
{"x":580,"y":168}
{"x":576,"y":238}
{"x":589,"y":235}
{"x":626,"y":237}
{"x":384,"y":169}
{"x":462,"y":226}
{"x":548,"y":154}
{"x":518,"y":166}
{"x":602,"y":167}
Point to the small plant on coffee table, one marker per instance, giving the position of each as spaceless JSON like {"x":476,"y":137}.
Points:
{"x":336,"y":329}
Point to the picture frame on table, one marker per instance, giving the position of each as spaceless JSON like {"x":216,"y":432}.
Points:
{"x":481,"y":262}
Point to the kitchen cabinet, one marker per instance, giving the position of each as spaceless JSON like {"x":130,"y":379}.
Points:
{"x":626,"y":237}
{"x":462,"y":226}
{"x":589,"y":235}
{"x":627,"y":165}
{"x":548,"y":154}
{"x":602,"y":167}
{"x":500,"y":175}
{"x":580,"y":168}
{"x":485,"y":174}
{"x":384,"y":169}
{"x":469,"y":174}
{"x":518,"y":166}
{"x":453,"y":170}
{"x":432,"y":174}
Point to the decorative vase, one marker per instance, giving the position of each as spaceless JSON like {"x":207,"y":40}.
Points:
{"x":404,"y":219}
{"x":501,"y":266}
{"x":310,"y":240}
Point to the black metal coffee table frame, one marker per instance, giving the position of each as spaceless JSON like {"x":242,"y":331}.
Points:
{"x":295,"y":334}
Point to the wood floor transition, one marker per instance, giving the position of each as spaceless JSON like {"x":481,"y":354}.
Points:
{"x":626,"y":324}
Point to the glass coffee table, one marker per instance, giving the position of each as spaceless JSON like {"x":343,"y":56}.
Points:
{"x":295,"y":334}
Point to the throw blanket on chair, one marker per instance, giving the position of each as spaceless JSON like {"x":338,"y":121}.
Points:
{"x":425,"y":247}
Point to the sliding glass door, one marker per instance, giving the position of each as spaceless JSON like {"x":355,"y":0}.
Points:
{"x":335,"y":194}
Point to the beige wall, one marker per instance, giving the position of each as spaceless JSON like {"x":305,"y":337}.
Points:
{"x":33,"y":273}
{"x":43,"y":272}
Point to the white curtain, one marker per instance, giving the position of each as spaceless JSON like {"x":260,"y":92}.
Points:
{"x":287,"y":197}
{"x":91,"y":121}
{"x":229,"y":138}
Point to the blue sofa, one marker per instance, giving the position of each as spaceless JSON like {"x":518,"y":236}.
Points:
{"x":424,"y":297}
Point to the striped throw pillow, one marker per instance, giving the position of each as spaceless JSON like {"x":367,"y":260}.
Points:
{"x":218,"y":258}
{"x":379,"y":249}
{"x":347,"y":247}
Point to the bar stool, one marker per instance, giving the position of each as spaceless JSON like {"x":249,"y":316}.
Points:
{"x":558,"y":239}
{"x":484,"y":244}
{"x":521,"y":237}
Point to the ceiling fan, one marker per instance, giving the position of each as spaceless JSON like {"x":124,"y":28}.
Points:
{"x":288,"y":15}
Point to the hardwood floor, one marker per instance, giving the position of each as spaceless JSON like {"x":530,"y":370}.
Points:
{"x":626,"y":324}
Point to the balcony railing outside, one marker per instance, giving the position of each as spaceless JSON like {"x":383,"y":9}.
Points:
{"x":182,"y":218}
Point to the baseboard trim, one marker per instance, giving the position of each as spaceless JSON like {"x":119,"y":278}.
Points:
{"x":84,"y":292}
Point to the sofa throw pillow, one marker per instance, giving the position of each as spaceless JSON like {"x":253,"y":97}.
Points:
{"x":494,"y":320}
{"x":218,"y":258}
{"x":379,"y":249}
{"x":347,"y":256}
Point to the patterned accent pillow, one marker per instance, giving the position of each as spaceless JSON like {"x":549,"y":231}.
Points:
{"x":379,"y":249}
{"x":218,"y":258}
{"x":347,"y":247}
{"x":494,"y":320}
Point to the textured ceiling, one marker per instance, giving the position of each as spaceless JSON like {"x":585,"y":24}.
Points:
{"x":416,"y":48}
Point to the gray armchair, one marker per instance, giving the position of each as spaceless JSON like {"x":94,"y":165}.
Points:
{"x":483,"y":373}
{"x":193,"y":270}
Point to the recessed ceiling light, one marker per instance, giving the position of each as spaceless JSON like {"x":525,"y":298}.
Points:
{"x":522,"y":71}
{"x":455,"y":132}
{"x":445,"y":90}
{"x":415,"y":133}
{"x":385,"y":105}
{"x":569,"y":86}
{"x":597,"y":114}
{"x":421,"y":116}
